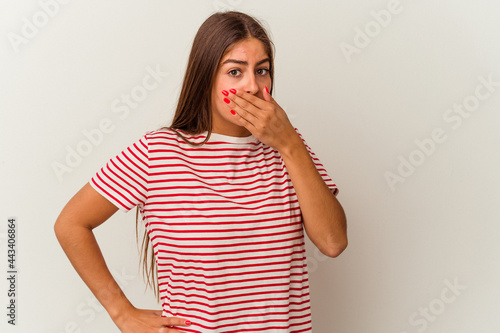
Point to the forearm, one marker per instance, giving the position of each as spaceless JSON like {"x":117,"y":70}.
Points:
{"x":323,"y":216}
{"x":81,"y":248}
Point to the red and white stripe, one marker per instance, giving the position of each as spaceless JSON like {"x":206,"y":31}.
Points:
{"x":226,"y":228}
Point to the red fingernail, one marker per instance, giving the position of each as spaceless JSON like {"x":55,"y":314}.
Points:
{"x":267,"y":90}
{"x":188,"y":322}
{"x":233,"y":91}
{"x":225,"y":93}
{"x":227,"y":100}
{"x":233,"y":112}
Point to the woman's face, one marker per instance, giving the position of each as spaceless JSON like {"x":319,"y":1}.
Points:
{"x":244,"y":67}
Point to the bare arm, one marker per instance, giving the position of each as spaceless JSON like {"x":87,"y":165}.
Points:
{"x":323,"y":216}
{"x":85,"y":211}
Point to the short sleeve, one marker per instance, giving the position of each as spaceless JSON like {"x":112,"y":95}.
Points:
{"x":124,"y":178}
{"x":319,"y":166}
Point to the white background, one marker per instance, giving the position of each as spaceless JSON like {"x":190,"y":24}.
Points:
{"x":423,"y":252}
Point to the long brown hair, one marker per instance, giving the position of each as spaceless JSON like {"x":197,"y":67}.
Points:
{"x":193,"y":115}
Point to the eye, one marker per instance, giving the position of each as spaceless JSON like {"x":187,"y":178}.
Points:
{"x":263,"y":71}
{"x":234,"y":72}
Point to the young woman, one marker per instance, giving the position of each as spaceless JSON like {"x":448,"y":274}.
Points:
{"x":224,"y":194}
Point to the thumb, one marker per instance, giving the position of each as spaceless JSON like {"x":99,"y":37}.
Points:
{"x":267,"y":95}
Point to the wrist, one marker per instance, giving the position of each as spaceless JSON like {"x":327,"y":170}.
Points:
{"x":294,"y":146}
{"x":120,"y":310}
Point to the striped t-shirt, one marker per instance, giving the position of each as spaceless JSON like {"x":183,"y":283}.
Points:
{"x":225,"y":225}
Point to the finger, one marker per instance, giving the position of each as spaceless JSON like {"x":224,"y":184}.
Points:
{"x":267,"y":95}
{"x":244,"y":121}
{"x":245,"y":110}
{"x":174,"y":321}
{"x":169,"y":329}
{"x":243,"y":106}
{"x":248,"y":101}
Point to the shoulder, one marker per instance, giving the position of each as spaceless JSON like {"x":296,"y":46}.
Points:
{"x":170,"y":136}
{"x":163,"y":131}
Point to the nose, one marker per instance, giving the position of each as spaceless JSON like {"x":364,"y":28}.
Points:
{"x":251,"y":85}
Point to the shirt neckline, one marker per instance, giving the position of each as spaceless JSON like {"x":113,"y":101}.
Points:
{"x":231,"y":139}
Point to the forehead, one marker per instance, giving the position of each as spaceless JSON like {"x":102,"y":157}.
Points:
{"x":247,"y":49}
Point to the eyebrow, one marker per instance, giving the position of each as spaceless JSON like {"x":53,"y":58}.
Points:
{"x":234,"y":61}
